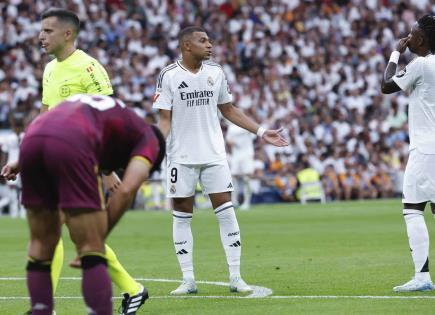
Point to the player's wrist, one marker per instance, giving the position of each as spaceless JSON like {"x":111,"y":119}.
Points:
{"x":260,"y":131}
{"x":394,"y":58}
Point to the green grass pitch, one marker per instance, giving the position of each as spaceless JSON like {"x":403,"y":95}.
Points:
{"x":317,"y":259}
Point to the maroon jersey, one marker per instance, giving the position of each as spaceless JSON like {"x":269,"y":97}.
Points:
{"x":101,"y":125}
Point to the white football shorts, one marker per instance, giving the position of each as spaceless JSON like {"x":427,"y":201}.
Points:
{"x":419,"y":179}
{"x":182,"y":179}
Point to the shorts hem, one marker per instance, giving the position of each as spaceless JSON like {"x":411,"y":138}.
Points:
{"x":81,"y":206}
{"x":217,"y":192}
{"x":179,"y":196}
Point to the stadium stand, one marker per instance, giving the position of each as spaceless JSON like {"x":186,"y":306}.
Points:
{"x":313,"y":67}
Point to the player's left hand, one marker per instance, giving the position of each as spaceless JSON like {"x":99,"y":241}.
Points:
{"x":275,"y":137}
{"x":10,"y":171}
{"x":111,"y":182}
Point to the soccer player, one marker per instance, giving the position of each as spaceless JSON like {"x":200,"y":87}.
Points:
{"x":72,"y":72}
{"x":241,"y":162}
{"x":418,"y":79}
{"x":60,"y":169}
{"x":190,"y":95}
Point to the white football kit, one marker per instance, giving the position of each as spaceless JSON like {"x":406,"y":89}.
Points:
{"x":242,"y":150}
{"x":418,"y":79}
{"x":195,"y":145}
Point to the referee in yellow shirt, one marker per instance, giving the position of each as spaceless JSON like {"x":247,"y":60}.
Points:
{"x":71,"y":72}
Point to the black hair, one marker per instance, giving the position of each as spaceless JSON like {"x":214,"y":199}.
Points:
{"x":189,"y":30}
{"x":63,"y":16}
{"x":162,"y":150}
{"x":427,"y":24}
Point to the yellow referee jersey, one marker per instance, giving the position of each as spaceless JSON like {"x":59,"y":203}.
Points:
{"x":77,"y":74}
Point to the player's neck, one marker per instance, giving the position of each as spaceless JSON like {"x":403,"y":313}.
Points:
{"x":193,"y":65}
{"x":65,"y":53}
{"x":423,"y":51}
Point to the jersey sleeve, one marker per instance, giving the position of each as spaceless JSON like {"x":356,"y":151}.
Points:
{"x":410,"y":75}
{"x":163,"y":97}
{"x":147,"y":148}
{"x":96,"y":80}
{"x":225,"y":95}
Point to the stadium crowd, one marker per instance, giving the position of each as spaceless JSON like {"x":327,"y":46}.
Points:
{"x":312,"y":67}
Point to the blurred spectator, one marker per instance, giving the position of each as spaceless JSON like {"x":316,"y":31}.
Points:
{"x":313,"y":67}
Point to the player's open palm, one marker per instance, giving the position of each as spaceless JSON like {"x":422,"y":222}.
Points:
{"x":275,"y":137}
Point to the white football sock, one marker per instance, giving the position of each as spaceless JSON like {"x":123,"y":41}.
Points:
{"x":183,"y":241}
{"x":230,"y":236}
{"x":418,"y":237}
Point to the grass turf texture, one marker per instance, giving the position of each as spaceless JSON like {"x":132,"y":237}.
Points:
{"x":337,"y":249}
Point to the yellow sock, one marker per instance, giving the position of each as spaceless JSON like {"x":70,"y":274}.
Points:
{"x":119,"y":275}
{"x":56,"y":265}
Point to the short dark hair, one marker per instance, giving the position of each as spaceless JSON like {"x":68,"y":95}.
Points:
{"x":427,"y":24}
{"x":63,"y":15}
{"x":189,"y":30}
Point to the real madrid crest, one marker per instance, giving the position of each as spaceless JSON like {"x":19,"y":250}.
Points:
{"x":172,"y":189}
{"x":210,"y":81}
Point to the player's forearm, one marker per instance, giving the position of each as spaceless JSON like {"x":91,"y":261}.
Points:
{"x":237,"y":117}
{"x":387,"y":78}
{"x":136,"y":173}
{"x":118,"y":204}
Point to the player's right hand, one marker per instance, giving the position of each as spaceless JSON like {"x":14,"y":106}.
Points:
{"x":275,"y":137}
{"x":402,"y":44}
{"x":10,"y":171}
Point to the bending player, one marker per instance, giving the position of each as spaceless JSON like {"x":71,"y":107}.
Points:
{"x":60,"y":169}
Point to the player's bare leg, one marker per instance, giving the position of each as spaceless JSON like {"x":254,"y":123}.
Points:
{"x":88,"y":230}
{"x":183,"y":243}
{"x":230,"y":238}
{"x":44,"y":234}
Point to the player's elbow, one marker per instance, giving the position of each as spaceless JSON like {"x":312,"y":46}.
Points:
{"x":389,"y":86}
{"x":384,"y":88}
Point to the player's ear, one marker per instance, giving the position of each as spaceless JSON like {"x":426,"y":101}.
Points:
{"x":69,"y":34}
{"x":186,"y":45}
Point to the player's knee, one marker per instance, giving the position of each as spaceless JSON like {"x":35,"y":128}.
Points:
{"x":415,"y":206}
{"x":183,"y":204}
{"x":91,"y":246}
{"x":42,"y":249}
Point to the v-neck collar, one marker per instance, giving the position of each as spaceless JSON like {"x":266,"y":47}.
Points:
{"x":193,"y":73}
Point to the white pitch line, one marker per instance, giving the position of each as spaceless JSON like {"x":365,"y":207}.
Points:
{"x":258,"y":292}
{"x":288,"y":297}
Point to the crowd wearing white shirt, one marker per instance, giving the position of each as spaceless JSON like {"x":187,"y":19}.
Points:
{"x":312,"y":67}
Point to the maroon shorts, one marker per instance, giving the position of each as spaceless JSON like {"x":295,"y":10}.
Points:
{"x":57,"y":175}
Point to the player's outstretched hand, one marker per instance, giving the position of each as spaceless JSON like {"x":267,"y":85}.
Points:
{"x":10,"y":171}
{"x":274,"y":137}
